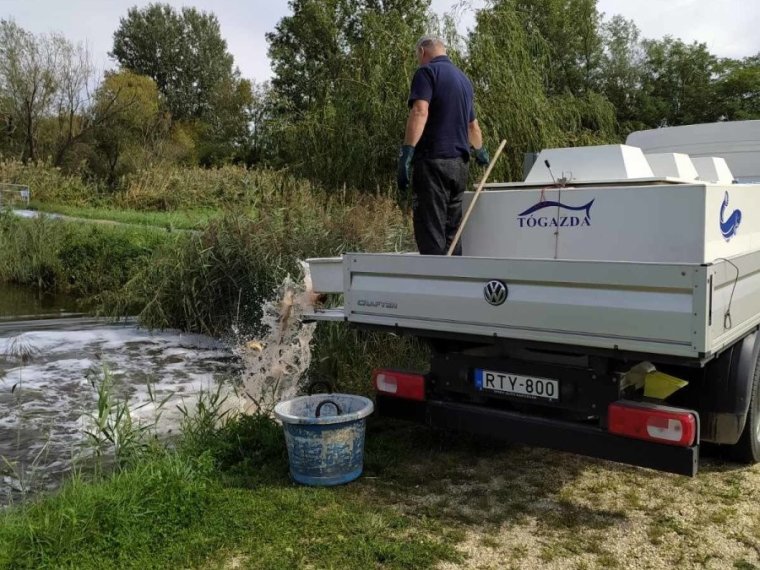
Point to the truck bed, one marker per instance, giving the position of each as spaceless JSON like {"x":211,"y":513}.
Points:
{"x":686,"y":311}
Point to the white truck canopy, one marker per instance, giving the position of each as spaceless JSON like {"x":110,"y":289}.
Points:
{"x":738,"y":142}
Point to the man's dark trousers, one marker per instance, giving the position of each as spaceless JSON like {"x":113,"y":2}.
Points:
{"x":438,"y":185}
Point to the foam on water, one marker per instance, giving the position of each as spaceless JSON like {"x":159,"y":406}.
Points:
{"x":47,"y":399}
{"x":46,"y":402}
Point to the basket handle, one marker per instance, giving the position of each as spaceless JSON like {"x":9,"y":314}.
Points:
{"x":318,"y":411}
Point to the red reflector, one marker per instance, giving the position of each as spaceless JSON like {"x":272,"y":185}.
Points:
{"x":399,"y":384}
{"x":661,"y":424}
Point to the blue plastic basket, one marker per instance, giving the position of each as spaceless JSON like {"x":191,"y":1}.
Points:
{"x":324,"y":434}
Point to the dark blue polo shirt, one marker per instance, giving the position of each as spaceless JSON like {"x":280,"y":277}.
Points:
{"x":451,"y":110}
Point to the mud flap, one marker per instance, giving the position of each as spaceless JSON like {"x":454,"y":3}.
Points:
{"x":727,"y":390}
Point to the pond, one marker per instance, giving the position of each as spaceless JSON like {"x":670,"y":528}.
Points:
{"x":51,"y":360}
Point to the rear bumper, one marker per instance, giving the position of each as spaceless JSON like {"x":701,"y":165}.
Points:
{"x":543,"y":432}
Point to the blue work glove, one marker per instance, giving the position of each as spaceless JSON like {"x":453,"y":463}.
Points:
{"x":482,"y":157}
{"x":405,"y":156}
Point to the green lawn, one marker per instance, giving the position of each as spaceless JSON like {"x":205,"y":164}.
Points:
{"x":426,"y":500}
{"x":184,"y":220}
{"x":233,"y":505}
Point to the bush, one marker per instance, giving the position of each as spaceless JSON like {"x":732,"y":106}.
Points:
{"x":87,"y":261}
{"x":208,"y":281}
{"x":347,"y":357}
{"x":50,"y":184}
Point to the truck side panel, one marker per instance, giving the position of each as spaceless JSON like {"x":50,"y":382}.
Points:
{"x":653,"y":308}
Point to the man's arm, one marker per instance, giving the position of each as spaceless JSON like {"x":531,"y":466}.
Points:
{"x":476,"y":140}
{"x":475,"y":135}
{"x":415,"y":124}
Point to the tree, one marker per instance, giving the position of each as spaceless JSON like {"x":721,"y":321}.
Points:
{"x":226,"y":130}
{"x":128,"y":117}
{"x":28,"y":82}
{"x":621,"y":71}
{"x":307,"y":50}
{"x":570,"y":29}
{"x":508,"y":63}
{"x":678,"y":83}
{"x":263,"y":117}
{"x":43,"y":87}
{"x":342,"y":74}
{"x":75,"y":71}
{"x":738,"y":88}
{"x":183,"y":52}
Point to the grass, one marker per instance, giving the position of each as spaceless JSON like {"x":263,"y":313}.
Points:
{"x":181,"y":220}
{"x":222,"y":499}
{"x":233,"y":502}
{"x":169,"y":513}
{"x":87,"y":261}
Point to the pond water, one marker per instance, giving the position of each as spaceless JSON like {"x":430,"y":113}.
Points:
{"x":20,"y":303}
{"x":49,"y":359}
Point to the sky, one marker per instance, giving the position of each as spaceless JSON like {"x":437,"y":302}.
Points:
{"x":728,"y":27}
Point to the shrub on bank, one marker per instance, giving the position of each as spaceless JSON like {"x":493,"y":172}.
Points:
{"x":85,"y":261}
{"x":170,"y":187}
{"x":209,"y":280}
{"x":50,"y":184}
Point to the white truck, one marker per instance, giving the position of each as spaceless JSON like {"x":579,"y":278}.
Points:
{"x":608,"y":305}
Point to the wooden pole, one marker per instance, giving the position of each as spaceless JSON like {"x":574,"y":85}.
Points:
{"x":458,"y":235}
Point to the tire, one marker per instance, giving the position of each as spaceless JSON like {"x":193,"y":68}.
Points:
{"x":747,"y":449}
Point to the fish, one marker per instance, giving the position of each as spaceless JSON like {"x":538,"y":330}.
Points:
{"x":730,"y":226}
{"x":554,"y":204}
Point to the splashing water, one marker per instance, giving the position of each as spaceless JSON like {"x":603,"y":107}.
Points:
{"x":274,"y":366}
{"x":46,"y":400}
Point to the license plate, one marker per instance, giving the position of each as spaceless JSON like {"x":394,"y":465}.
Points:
{"x":529,"y":387}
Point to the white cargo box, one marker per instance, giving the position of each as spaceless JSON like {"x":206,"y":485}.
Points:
{"x":630,"y":222}
{"x":590,"y":164}
{"x":326,"y":274}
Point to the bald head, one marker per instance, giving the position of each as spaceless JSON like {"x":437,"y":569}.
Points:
{"x":429,"y":47}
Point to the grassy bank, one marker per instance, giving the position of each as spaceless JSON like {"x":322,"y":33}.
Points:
{"x":251,"y":229}
{"x":220,"y":498}
{"x":87,"y":262}
{"x":223,"y":499}
{"x":180,"y":220}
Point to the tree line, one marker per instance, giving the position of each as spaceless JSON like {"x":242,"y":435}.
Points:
{"x":546,"y":73}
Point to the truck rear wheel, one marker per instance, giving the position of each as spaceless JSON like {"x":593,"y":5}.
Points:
{"x":747,"y":449}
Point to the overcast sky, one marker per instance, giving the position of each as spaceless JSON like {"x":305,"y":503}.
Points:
{"x":728,"y":27}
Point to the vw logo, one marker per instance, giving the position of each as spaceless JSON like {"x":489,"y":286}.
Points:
{"x":495,"y":292}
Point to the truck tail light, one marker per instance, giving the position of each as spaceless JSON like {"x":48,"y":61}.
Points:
{"x":651,"y":422}
{"x":399,"y":384}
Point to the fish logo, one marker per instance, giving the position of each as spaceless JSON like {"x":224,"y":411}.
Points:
{"x":730,"y":226}
{"x":527,"y":219}
{"x":553,"y":204}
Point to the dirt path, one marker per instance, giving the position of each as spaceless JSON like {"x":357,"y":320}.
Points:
{"x":531,"y":508}
{"x":29,"y":214}
{"x":551,"y":510}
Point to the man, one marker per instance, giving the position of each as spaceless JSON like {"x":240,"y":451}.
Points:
{"x":440,"y":130}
